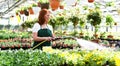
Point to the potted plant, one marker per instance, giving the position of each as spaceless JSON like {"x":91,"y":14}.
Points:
{"x":17,"y":12}
{"x":28,"y":23}
{"x":109,"y":4}
{"x":54,"y":45}
{"x":30,"y":10}
{"x":44,"y":4}
{"x":109,"y":22}
{"x":82,"y":23}
{"x":94,"y":18}
{"x":21,"y":10}
{"x":26,"y":11}
{"x":61,"y":21}
{"x":74,"y":20}
{"x":53,"y":22}
{"x":54,"y":4}
{"x":62,"y":4}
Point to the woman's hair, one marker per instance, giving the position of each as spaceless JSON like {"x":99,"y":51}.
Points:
{"x":41,"y":18}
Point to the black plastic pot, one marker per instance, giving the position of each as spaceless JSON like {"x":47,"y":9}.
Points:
{"x":5,"y":48}
{"x":26,"y":13}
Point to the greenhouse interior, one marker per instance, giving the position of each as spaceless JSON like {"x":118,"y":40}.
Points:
{"x":59,"y":33}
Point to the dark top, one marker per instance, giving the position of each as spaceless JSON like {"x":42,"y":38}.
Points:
{"x":46,"y":32}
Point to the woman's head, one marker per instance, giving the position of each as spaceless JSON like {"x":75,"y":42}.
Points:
{"x":44,"y":15}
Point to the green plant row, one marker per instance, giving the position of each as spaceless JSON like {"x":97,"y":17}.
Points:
{"x":66,"y":43}
{"x":5,"y":34}
{"x":59,"y":58}
{"x":78,"y":57}
{"x":29,"y":58}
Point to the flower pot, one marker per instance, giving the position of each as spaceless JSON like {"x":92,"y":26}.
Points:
{"x":61,"y":7}
{"x":28,"y":46}
{"x":21,"y":12}
{"x":115,"y":23}
{"x":95,"y":35}
{"x":30,"y":11}
{"x":110,"y":36}
{"x":17,"y":14}
{"x":17,"y":46}
{"x":54,"y":46}
{"x":24,"y":48}
{"x":95,"y":40}
{"x":4,"y":48}
{"x":54,"y":4}
{"x":90,"y":1}
{"x":81,"y":34}
{"x":26,"y":13}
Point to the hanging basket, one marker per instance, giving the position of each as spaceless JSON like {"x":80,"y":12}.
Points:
{"x":45,"y":5}
{"x":26,"y":13}
{"x":54,"y":4}
{"x":90,"y":1}
{"x":17,"y":14}
{"x":30,"y":10}
{"x":21,"y":12}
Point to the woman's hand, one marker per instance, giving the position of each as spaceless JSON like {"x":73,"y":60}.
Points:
{"x":49,"y":38}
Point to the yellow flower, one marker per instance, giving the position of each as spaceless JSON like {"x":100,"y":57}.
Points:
{"x":117,"y":60}
{"x":99,"y":62}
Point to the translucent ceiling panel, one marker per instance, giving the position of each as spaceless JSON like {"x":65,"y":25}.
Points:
{"x":6,"y":4}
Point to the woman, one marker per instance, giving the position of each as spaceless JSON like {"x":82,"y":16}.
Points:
{"x":42,"y":31}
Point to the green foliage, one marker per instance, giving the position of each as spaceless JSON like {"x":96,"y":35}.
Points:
{"x":87,"y":37}
{"x":109,"y":20}
{"x":74,"y":33}
{"x":110,"y":3}
{"x":34,"y":5}
{"x":82,"y":23}
{"x":97,"y":5}
{"x":11,"y":34}
{"x":43,"y":1}
{"x":53,"y":22}
{"x":59,"y":58}
{"x":70,"y":42}
{"x":62,"y":20}
{"x":74,"y":20}
{"x":94,"y":18}
{"x":28,"y":23}
{"x":29,"y":58}
{"x":85,"y":7}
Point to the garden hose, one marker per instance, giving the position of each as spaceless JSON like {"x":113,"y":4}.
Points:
{"x":39,"y":44}
{"x":52,"y":40}
{"x":43,"y":42}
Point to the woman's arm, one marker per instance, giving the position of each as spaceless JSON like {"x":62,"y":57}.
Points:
{"x":53,"y":35}
{"x":36,"y":38}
